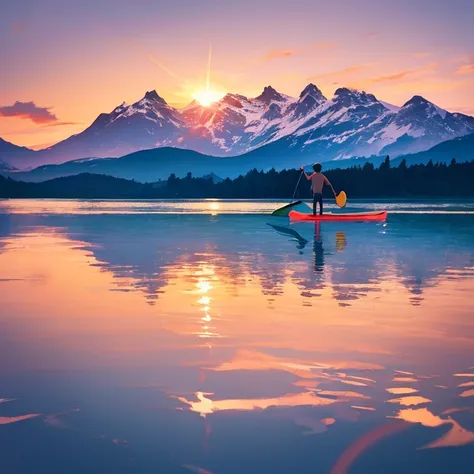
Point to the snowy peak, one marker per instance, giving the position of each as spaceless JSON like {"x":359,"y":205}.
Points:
{"x":269,"y":94}
{"x":119,"y":109}
{"x":312,"y":91}
{"x":415,"y":101}
{"x":234,"y":100}
{"x":418,"y":104}
{"x":154,"y":97}
{"x":350,"y":97}
{"x":310,"y":99}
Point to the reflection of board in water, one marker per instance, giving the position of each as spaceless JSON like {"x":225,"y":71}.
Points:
{"x":291,"y":233}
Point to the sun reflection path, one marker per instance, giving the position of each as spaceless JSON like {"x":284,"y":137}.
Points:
{"x":203,"y":287}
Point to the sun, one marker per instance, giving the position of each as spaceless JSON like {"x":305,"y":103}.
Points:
{"x":206,"y":97}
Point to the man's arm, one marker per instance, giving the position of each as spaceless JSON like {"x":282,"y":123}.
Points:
{"x":328,"y":183}
{"x":308,"y":177}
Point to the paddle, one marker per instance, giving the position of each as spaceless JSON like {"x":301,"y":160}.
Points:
{"x":341,"y":199}
{"x":285,"y":210}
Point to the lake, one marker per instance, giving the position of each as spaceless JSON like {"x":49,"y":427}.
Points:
{"x":209,"y":337}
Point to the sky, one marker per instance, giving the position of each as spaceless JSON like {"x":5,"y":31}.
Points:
{"x":67,"y":62}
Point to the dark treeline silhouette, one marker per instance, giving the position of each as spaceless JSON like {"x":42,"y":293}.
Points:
{"x":430,"y":180}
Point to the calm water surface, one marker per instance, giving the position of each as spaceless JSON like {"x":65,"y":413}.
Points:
{"x":179,"y":337}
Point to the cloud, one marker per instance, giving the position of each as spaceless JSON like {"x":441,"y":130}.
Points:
{"x":408,"y":72}
{"x":342,"y":72}
{"x":60,"y":124}
{"x":281,"y":53}
{"x":393,"y":77}
{"x":28,"y":111}
{"x":278,"y":54}
{"x":466,"y":69}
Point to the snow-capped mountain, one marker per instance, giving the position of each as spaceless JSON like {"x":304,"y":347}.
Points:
{"x":420,"y":125}
{"x":235,"y":124}
{"x":148,"y":123}
{"x":351,"y":123}
{"x":355,"y":123}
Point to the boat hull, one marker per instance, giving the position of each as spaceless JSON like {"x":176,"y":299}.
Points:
{"x":354,"y":217}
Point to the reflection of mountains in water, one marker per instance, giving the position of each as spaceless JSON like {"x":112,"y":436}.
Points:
{"x":351,"y":258}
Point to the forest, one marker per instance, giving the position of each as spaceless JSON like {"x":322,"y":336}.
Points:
{"x":430,"y":180}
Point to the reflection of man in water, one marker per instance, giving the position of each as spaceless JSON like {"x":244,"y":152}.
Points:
{"x":318,"y":250}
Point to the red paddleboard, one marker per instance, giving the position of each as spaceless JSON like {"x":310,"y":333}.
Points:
{"x":354,"y":217}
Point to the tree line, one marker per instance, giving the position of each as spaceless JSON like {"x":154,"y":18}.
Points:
{"x":430,"y":180}
{"x":421,"y":180}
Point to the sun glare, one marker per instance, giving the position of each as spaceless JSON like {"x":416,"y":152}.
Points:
{"x":207,"y":97}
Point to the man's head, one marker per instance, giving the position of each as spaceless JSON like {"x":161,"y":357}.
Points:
{"x":317,"y":167}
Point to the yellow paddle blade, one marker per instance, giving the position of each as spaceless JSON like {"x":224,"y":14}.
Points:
{"x":341,"y":199}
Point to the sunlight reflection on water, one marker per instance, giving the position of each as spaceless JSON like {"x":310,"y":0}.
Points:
{"x":218,"y":206}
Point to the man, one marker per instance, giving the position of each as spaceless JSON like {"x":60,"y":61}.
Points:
{"x":318,"y":180}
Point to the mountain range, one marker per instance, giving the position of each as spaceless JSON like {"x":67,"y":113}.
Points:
{"x":271,"y":127}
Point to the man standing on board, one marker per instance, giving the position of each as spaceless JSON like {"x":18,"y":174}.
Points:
{"x":318,"y":180}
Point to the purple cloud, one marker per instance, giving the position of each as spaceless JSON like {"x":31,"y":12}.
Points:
{"x":29,"y":111}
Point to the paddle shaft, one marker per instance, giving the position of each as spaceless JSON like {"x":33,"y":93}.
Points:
{"x":297,"y":184}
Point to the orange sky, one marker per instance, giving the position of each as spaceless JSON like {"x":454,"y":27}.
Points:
{"x":78,"y":61}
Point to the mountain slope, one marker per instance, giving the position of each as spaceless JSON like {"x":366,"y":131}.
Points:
{"x":461,"y":149}
{"x":5,"y":166}
{"x":11,"y":154}
{"x":83,"y":185}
